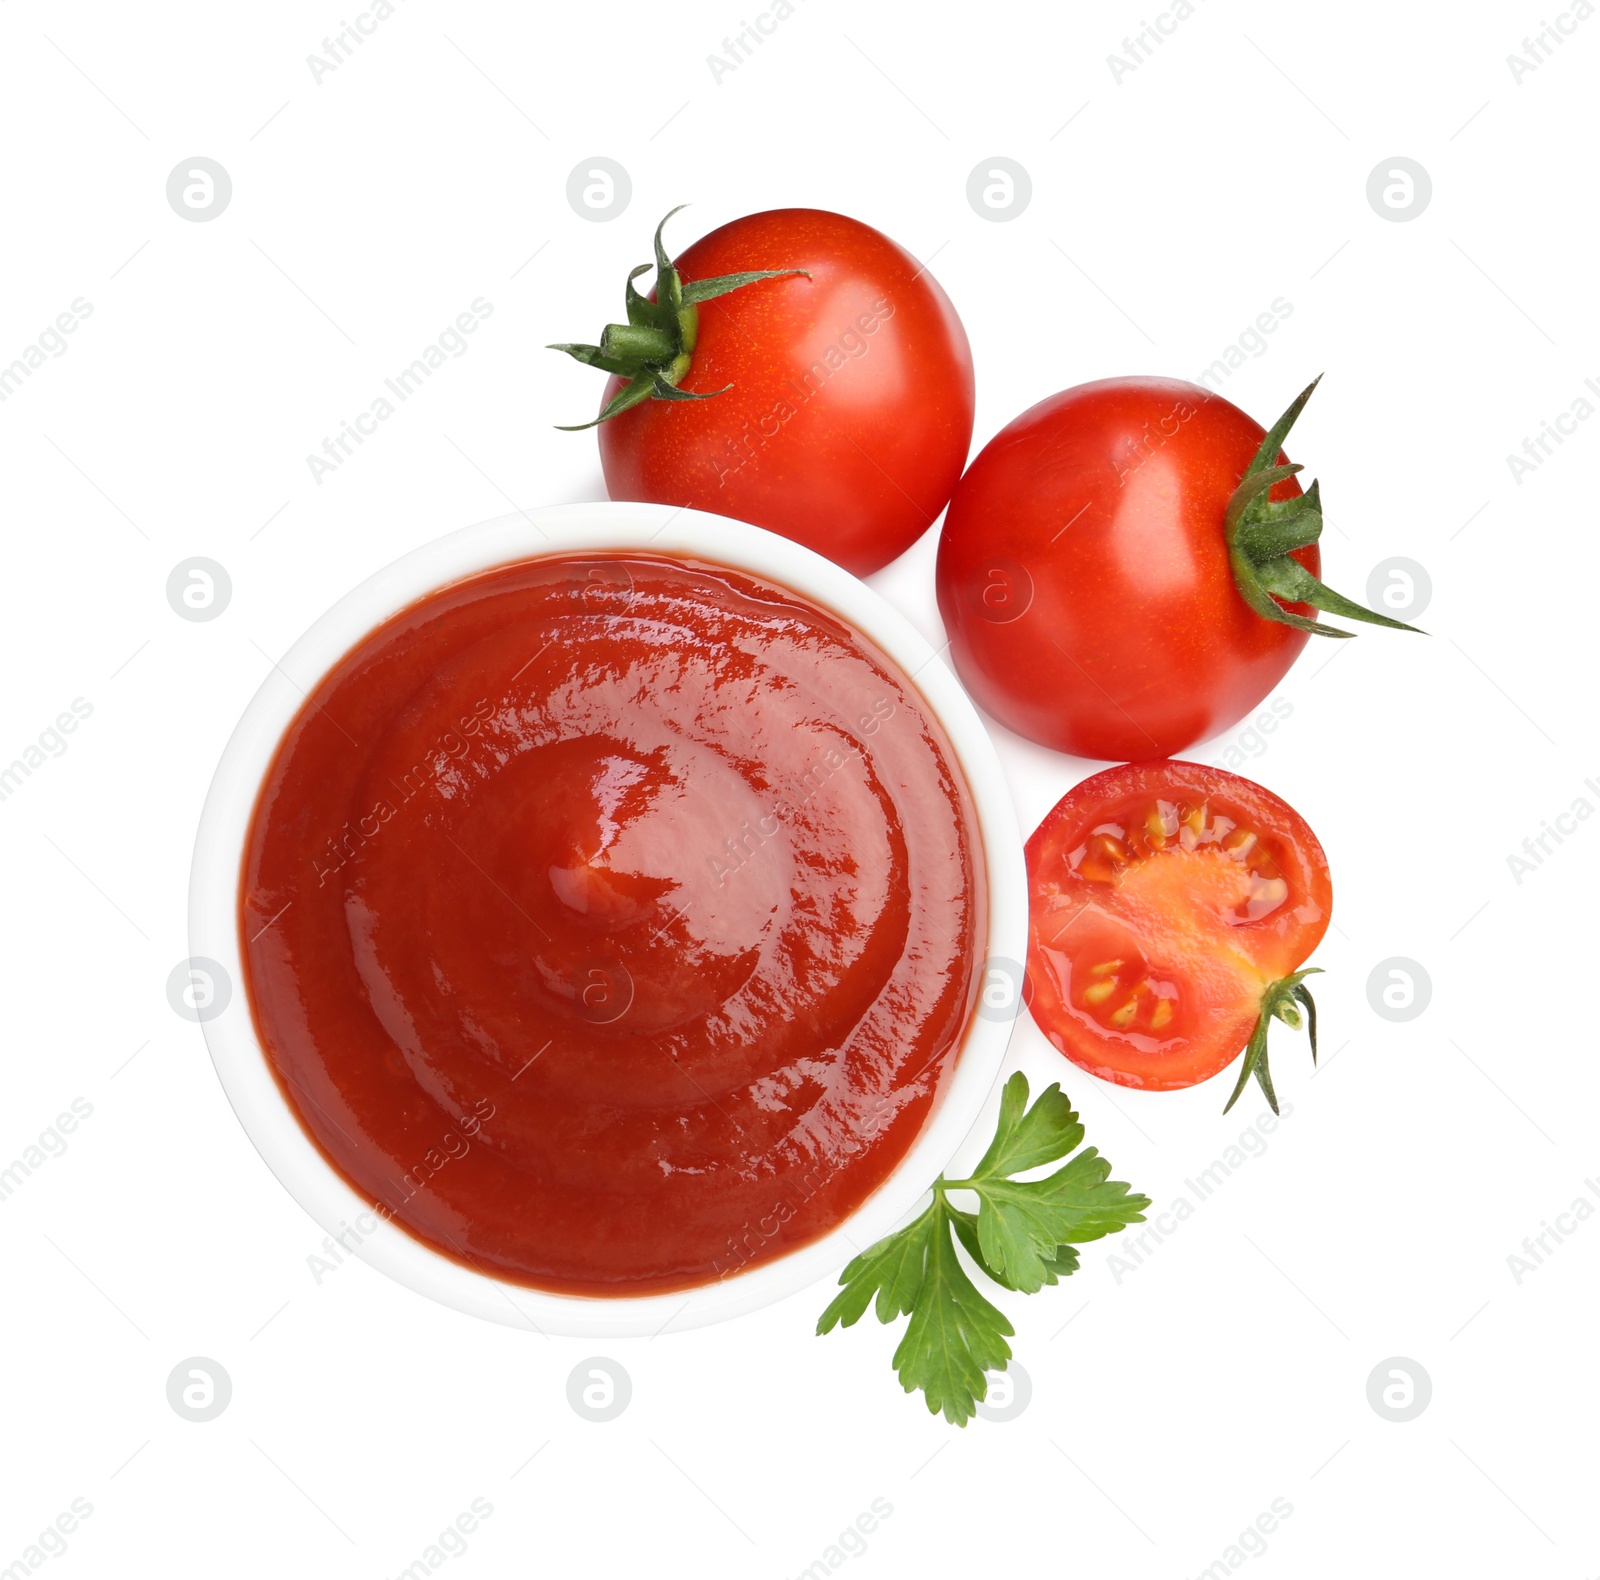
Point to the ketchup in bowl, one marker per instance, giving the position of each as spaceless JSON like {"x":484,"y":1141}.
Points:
{"x":611,"y":923}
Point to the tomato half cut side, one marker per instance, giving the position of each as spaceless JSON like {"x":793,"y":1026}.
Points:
{"x":1171,"y":908}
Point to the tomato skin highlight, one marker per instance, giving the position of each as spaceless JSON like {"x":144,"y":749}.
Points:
{"x":1144,"y":877}
{"x":851,"y":410}
{"x":1084,"y":578}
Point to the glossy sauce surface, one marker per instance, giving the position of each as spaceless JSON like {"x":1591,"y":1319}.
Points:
{"x":611,"y":924}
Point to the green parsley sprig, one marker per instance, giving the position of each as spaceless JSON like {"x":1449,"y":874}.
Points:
{"x":1023,"y":1236}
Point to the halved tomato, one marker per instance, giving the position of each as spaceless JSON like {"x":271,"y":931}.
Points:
{"x":1171,"y":907}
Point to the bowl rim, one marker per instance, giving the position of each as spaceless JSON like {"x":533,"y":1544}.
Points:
{"x":603,"y":527}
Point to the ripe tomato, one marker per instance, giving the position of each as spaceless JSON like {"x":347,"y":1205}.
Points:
{"x":1099,"y":594}
{"x":846,"y":399}
{"x":1171,"y":906}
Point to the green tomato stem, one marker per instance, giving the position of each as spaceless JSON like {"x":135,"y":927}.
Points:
{"x":653,"y":351}
{"x":1263,"y":535}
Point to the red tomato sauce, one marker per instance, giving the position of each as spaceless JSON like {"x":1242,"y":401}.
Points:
{"x":611,"y":924}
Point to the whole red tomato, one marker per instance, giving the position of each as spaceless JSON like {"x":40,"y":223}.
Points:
{"x":833,"y":406}
{"x":1124,"y":570}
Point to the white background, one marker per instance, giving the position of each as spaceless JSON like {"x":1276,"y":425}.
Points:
{"x":1171,"y":1405}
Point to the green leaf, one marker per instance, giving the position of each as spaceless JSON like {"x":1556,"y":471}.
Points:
{"x":1022,"y":1238}
{"x":1059,"y":1265}
{"x":666,"y":391}
{"x":1290,"y":580}
{"x":1253,"y":487}
{"x":1303,"y":994}
{"x":1027,"y":1137}
{"x":593,"y":357}
{"x":1272,"y":442}
{"x":669,"y":288}
{"x":629,"y":395}
{"x":954,"y":1336}
{"x":1262,"y":534}
{"x":892,"y":1270}
{"x":709,"y":290}
{"x":965,"y":1225}
{"x":641,"y":310}
{"x":1259,"y":599}
{"x":1282,"y":527}
{"x":1254,"y":1062}
{"x":1023,"y":1223}
{"x":654,"y":350}
{"x":1283,"y":1000}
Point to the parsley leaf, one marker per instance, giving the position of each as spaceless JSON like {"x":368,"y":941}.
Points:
{"x":1022,"y":1237}
{"x":954,"y":1336}
{"x":892,"y":1269}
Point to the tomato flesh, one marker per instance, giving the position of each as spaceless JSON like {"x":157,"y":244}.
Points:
{"x":1165,"y":897}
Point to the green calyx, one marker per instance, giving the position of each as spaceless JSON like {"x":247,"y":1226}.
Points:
{"x":1262,"y":537}
{"x":1284,"y":1000}
{"x":654,"y":350}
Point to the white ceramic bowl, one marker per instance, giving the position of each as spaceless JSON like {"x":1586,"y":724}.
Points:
{"x":213,"y":899}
